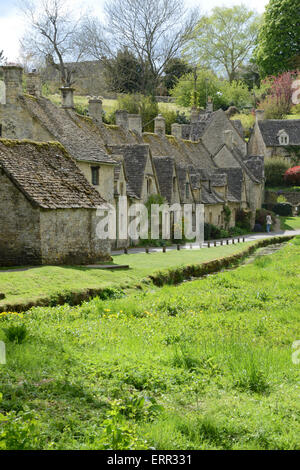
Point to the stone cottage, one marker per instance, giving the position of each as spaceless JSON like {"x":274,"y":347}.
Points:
{"x":48,"y":210}
{"x":275,"y":138}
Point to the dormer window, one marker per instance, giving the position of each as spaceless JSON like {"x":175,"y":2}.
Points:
{"x":283,"y":137}
{"x":149,"y":186}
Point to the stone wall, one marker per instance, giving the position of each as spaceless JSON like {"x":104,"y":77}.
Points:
{"x":19,"y":227}
{"x":106,"y":178}
{"x":68,"y":236}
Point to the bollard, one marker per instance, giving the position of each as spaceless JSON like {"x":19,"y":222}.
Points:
{"x":243,"y":239}
{"x":208,"y":244}
{"x":227,"y":242}
{"x":125,"y":251}
{"x":200,"y":245}
{"x":191,"y":246}
{"x":215,"y":243}
{"x":178,"y":247}
{"x":147,"y":249}
{"x":164,"y":249}
{"x":239,"y":241}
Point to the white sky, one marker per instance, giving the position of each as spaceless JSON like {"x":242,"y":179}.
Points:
{"x":12,"y":25}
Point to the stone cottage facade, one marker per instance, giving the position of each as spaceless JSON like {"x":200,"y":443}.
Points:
{"x":276,"y":138}
{"x":48,"y":210}
{"x":205,"y":162}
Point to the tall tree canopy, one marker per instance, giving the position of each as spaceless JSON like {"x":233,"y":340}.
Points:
{"x":53,"y":33}
{"x":153,"y":31}
{"x":279,"y":37}
{"x":224,"y":40}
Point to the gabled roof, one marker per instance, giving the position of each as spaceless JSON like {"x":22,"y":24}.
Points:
{"x":256,"y":165}
{"x":164,"y":167}
{"x":234,"y":181}
{"x":270,"y":128}
{"x":210,"y":197}
{"x":135,"y":159}
{"x":47,"y":175}
{"x":184,"y":177}
{"x":69,"y":130}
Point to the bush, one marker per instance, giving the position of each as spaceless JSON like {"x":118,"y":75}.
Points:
{"x":258,"y":228}
{"x":243,"y":219}
{"x":284,"y":209}
{"x":16,"y":333}
{"x":275,"y":169}
{"x":292,"y":176}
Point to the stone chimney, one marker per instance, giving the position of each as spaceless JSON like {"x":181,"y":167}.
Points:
{"x":122,"y":119}
{"x":209,"y":105}
{"x":95,"y":109}
{"x":135,"y":123}
{"x":259,"y":114}
{"x":160,"y":125}
{"x":67,"y":97}
{"x":176,"y":130}
{"x":194,"y":115}
{"x":228,"y":139}
{"x":12,"y":77}
{"x":34,"y":85}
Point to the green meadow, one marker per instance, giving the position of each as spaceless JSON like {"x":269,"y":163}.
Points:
{"x":206,"y":364}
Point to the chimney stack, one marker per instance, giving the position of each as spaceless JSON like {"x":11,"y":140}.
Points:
{"x":67,"y":97}
{"x":160,"y":125}
{"x":176,"y":130}
{"x":194,"y":115}
{"x":259,"y":114}
{"x":209,"y":105}
{"x":122,"y":119}
{"x":95,"y":109}
{"x":12,"y":76}
{"x":34,"y":86}
{"x":135,"y":123}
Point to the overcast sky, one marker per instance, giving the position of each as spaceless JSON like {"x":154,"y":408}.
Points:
{"x":12,"y":26}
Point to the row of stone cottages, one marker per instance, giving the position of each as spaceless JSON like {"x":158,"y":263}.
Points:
{"x":58,"y":166}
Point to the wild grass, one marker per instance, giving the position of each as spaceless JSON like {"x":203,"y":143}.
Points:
{"x":203,"y":365}
{"x":48,"y":282}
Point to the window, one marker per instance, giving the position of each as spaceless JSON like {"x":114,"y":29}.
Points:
{"x":95,"y":175}
{"x":283,"y":137}
{"x":187,"y":190}
{"x":0,"y":130}
{"x":149,"y":186}
{"x":174,"y":184}
{"x":121,"y":189}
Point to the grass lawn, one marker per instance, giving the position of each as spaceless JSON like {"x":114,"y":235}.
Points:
{"x":203,"y":365}
{"x":290,"y":223}
{"x":48,"y":281}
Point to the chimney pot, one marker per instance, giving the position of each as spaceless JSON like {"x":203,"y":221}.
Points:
{"x":95,"y":109}
{"x":67,"y":96}
{"x":122,"y":119}
{"x":160,"y":125}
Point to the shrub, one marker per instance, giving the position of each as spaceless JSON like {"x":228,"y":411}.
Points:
{"x":292,"y":176}
{"x":275,"y":169}
{"x":284,"y":209}
{"x":243,"y":219}
{"x":16,"y":333}
{"x":261,"y":218}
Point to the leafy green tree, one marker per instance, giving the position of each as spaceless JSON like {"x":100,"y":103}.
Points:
{"x":123,"y":74}
{"x":222,"y":92}
{"x":174,"y":70}
{"x":279,"y":37}
{"x":225,"y":40}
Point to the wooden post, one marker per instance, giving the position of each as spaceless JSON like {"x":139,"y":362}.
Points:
{"x":164,"y":249}
{"x":227,"y":242}
{"x":208,"y":244}
{"x":243,"y":239}
{"x":126,"y":251}
{"x":178,"y":247}
{"x":215,"y":243}
{"x":147,"y":249}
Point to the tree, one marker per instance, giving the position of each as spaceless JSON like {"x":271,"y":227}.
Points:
{"x":174,"y":70}
{"x":222,"y":92}
{"x":123,"y":73}
{"x":52,"y":33}
{"x":279,"y":37}
{"x":277,"y":101}
{"x":154,"y":32}
{"x":225,"y":40}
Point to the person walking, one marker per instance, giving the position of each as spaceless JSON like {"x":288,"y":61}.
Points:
{"x":269,"y":223}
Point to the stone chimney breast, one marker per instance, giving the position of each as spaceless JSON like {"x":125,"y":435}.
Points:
{"x":122,"y":119}
{"x":160,"y":125}
{"x":176,"y":130}
{"x":12,"y":76}
{"x":135,"y":123}
{"x":67,"y":97}
{"x":34,"y":85}
{"x":95,"y":109}
{"x":259,"y":114}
